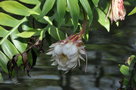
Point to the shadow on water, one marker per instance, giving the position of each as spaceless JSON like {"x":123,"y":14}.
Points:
{"x":105,"y":52}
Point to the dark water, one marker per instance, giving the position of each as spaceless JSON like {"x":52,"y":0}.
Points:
{"x":105,"y":52}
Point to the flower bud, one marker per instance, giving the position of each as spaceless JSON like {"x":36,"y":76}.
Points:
{"x":116,"y":10}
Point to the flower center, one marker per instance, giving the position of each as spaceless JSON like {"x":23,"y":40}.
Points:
{"x":63,"y":58}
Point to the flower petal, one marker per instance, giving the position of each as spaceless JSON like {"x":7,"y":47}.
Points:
{"x":58,"y":49}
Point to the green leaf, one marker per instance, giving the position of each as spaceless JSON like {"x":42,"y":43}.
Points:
{"x":130,"y":59}
{"x":55,"y":33}
{"x":46,"y":18}
{"x":25,"y":27}
{"x":3,"y":62}
{"x":47,"y":6}
{"x":88,"y":9}
{"x":30,"y":1}
{"x":3,"y":32}
{"x":9,"y":49}
{"x":26,"y":34}
{"x":95,"y":2}
{"x":102,"y":19}
{"x":74,"y":11}
{"x":13,"y":29}
{"x":61,"y":9}
{"x":15,"y":8}
{"x":42,"y":34}
{"x":124,"y":70}
{"x":21,"y":46}
{"x":133,"y":11}
{"x":7,"y":20}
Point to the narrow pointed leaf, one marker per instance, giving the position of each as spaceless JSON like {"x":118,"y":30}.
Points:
{"x":15,"y":8}
{"x":7,"y":20}
{"x":133,"y":11}
{"x":3,"y":32}
{"x":3,"y":61}
{"x":74,"y":10}
{"x":20,"y":45}
{"x":47,"y":6}
{"x":13,"y":29}
{"x":9,"y":49}
{"x":102,"y":19}
{"x":61,"y":8}
{"x":26,"y":34}
{"x":88,"y":9}
{"x":46,"y":18}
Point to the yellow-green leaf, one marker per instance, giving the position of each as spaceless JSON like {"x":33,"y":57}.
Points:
{"x":124,"y":70}
{"x":9,"y":49}
{"x":133,"y":11}
{"x":102,"y":19}
{"x":20,"y":45}
{"x":3,"y":32}
{"x":26,"y":34}
{"x":15,"y":7}
{"x":7,"y":20}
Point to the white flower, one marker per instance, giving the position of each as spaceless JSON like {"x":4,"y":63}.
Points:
{"x":67,"y":54}
{"x":116,"y":10}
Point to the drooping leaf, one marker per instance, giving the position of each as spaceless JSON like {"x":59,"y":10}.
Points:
{"x":26,"y":27}
{"x":133,"y":11}
{"x":47,"y":6}
{"x":124,"y":70}
{"x":95,"y":2}
{"x":74,"y":11}
{"x":20,"y":45}
{"x":26,"y":34}
{"x":7,"y":20}
{"x":61,"y":8}
{"x":15,"y":8}
{"x":9,"y":49}
{"x":48,"y":20}
{"x":88,"y":9}
{"x":3,"y":61}
{"x":3,"y":32}
{"x":102,"y":19}
{"x":55,"y":33}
